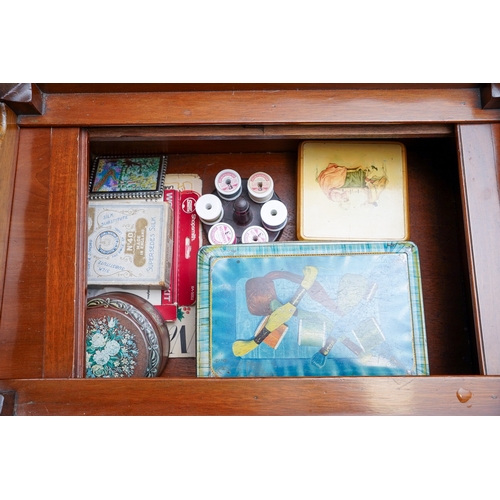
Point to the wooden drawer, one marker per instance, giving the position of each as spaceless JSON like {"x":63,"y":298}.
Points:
{"x":452,"y":221}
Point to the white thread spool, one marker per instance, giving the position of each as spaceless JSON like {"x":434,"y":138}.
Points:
{"x":260,"y":187}
{"x":274,"y":215}
{"x":209,"y":209}
{"x":254,"y":234}
{"x":228,"y":184}
{"x":221,"y":234}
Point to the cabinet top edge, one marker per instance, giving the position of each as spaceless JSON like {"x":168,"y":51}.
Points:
{"x":69,"y":88}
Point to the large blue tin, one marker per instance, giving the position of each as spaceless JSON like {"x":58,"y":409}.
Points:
{"x":310,"y":309}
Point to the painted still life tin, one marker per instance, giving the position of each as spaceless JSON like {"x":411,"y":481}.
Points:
{"x":352,"y":191}
{"x":310,"y":309}
{"x":125,"y":337}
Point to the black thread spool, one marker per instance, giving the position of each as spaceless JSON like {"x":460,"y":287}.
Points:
{"x":242,"y":214}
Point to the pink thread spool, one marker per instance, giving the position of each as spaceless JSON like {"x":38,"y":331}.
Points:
{"x":228,"y":184}
{"x":260,"y":187}
{"x":222,"y":234}
{"x":254,"y":234}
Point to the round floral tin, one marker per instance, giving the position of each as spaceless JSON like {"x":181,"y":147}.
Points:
{"x":125,"y":337}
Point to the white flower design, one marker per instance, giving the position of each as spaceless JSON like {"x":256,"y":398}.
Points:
{"x":112,"y":348}
{"x":98,"y":370}
{"x":101,"y":357}
{"x":98,"y":340}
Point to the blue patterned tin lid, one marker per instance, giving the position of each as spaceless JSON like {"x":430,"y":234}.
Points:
{"x":310,"y":309}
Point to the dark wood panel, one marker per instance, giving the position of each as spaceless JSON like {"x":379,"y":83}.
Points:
{"x":7,"y":403}
{"x":244,"y":139}
{"x":22,"y":322}
{"x":23,"y":98}
{"x":252,"y":133}
{"x":264,"y":107}
{"x":334,"y":396}
{"x":479,"y":146}
{"x":490,"y":95}
{"x":8,"y":158}
{"x":435,"y":227}
{"x":65,"y":263}
{"x":190,"y":87}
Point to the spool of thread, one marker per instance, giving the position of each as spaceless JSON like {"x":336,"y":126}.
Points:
{"x":311,"y":333}
{"x":242,"y":214}
{"x":260,"y":187}
{"x":254,"y":234}
{"x":209,"y":209}
{"x":274,"y":215}
{"x":228,"y":184}
{"x":221,"y":234}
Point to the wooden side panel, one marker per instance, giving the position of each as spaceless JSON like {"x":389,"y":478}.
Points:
{"x":64,"y":264}
{"x":8,"y":154}
{"x":22,"y":325}
{"x":362,"y":106}
{"x":288,"y":396}
{"x":479,"y":149}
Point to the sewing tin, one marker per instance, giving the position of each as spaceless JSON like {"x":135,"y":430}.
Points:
{"x":129,"y":243}
{"x":352,"y":191}
{"x":125,"y":337}
{"x":115,"y":177}
{"x":310,"y":309}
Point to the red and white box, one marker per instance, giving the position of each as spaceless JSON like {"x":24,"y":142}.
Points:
{"x":187,"y":241}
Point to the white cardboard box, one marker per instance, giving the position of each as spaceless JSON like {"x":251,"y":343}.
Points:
{"x":129,"y":243}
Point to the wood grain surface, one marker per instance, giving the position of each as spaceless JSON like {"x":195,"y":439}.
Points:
{"x":454,"y":214}
{"x":22,"y":323}
{"x":66,"y":272}
{"x":288,"y":396}
{"x":8,"y":157}
{"x":361,"y":106}
{"x":479,"y":147}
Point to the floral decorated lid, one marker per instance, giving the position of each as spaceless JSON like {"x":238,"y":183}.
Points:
{"x":125,"y":337}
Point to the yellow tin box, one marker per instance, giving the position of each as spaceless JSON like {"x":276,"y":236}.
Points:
{"x":352,"y":191}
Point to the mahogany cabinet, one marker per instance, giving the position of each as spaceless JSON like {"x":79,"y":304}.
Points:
{"x":50,"y":133}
